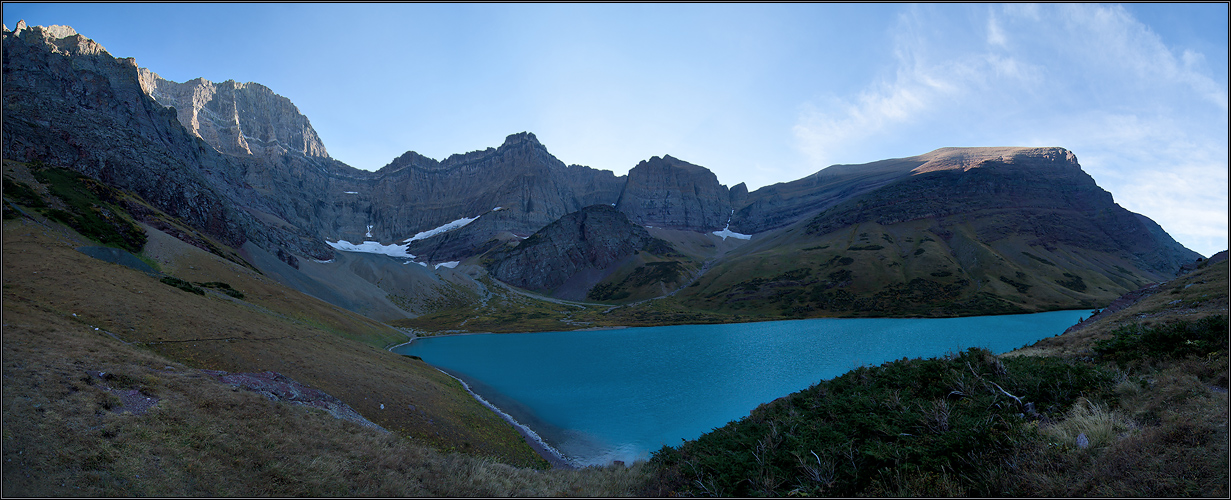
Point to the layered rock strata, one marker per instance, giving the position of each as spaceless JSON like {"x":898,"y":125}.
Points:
{"x":674,"y":194}
{"x":594,"y":238}
{"x":237,"y":118}
{"x":69,"y":103}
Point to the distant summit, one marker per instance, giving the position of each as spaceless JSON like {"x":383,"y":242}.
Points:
{"x":237,"y":118}
{"x":951,"y":231}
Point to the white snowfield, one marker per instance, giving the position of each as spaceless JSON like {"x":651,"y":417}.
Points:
{"x":727,"y":232}
{"x":449,"y":265}
{"x":447,"y":227}
{"x":399,"y":250}
{"x":392,"y":250}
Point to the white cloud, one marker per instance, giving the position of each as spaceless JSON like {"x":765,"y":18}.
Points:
{"x":1149,"y":123}
{"x":1109,"y":37}
{"x":995,"y":36}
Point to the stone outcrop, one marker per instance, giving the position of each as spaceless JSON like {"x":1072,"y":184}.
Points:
{"x":531,"y":187}
{"x":237,"y":118}
{"x":594,"y":238}
{"x":275,"y":386}
{"x":70,"y":103}
{"x":671,"y":193}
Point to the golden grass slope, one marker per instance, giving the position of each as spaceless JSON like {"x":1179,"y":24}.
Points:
{"x":272,"y":328}
{"x":62,"y":437}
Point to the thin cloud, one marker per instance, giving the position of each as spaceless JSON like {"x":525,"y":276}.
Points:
{"x":1142,"y":118}
{"x":995,"y":36}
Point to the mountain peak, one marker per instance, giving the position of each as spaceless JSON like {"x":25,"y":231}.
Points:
{"x":520,"y":138}
{"x":967,"y":158}
{"x":64,"y":39}
{"x":270,"y":126}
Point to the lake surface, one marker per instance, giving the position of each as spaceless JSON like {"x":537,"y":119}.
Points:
{"x":604,"y":395}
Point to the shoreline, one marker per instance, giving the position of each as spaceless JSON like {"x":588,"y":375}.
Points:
{"x":536,"y":442}
{"x":414,"y":337}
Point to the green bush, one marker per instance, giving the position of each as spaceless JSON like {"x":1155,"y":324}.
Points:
{"x":1200,"y":338}
{"x":224,"y":288}
{"x":914,"y":426}
{"x":182,"y":285}
{"x":21,"y":193}
{"x":91,"y":209}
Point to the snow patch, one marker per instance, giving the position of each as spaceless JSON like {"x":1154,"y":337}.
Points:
{"x":318,"y":261}
{"x":497,"y":209}
{"x":424,"y":264}
{"x":449,"y":265}
{"x":350,"y":192}
{"x":726,"y":231}
{"x":392,"y":250}
{"x":447,"y":227}
{"x":369,"y":230}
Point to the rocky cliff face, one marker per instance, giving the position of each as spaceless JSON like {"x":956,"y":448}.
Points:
{"x":785,"y":203}
{"x":70,"y":103}
{"x":671,"y":193}
{"x":241,"y":163}
{"x":244,"y":164}
{"x":594,"y":238}
{"x":237,"y":118}
{"x":520,"y":176}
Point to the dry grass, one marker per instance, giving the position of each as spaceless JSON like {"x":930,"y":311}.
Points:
{"x":66,"y":315}
{"x":1189,"y":297}
{"x":274,"y":329}
{"x":1100,"y":427}
{"x":61,"y":437}
{"x":1166,"y":440}
{"x":1165,"y":431}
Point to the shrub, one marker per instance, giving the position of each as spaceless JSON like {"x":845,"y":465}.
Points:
{"x":1204,"y":337}
{"x":22,"y":193}
{"x":182,"y":285}
{"x":224,"y":288}
{"x":916,"y":427}
{"x":91,"y":209}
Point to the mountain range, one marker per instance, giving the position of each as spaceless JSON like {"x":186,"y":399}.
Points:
{"x":954,"y":231}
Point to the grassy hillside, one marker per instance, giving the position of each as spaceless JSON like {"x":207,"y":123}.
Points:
{"x":68,"y":316}
{"x":912,"y":268}
{"x":104,"y":393}
{"x":66,"y":434}
{"x":906,"y":269}
{"x":1135,"y":405}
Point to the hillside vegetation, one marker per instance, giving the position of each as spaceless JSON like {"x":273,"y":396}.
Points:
{"x":104,"y":393}
{"x":1137,"y":406}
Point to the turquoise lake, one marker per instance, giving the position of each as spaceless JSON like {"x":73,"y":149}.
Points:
{"x":603,"y":395}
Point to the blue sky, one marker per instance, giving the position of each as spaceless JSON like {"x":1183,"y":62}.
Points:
{"x":756,"y":93}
